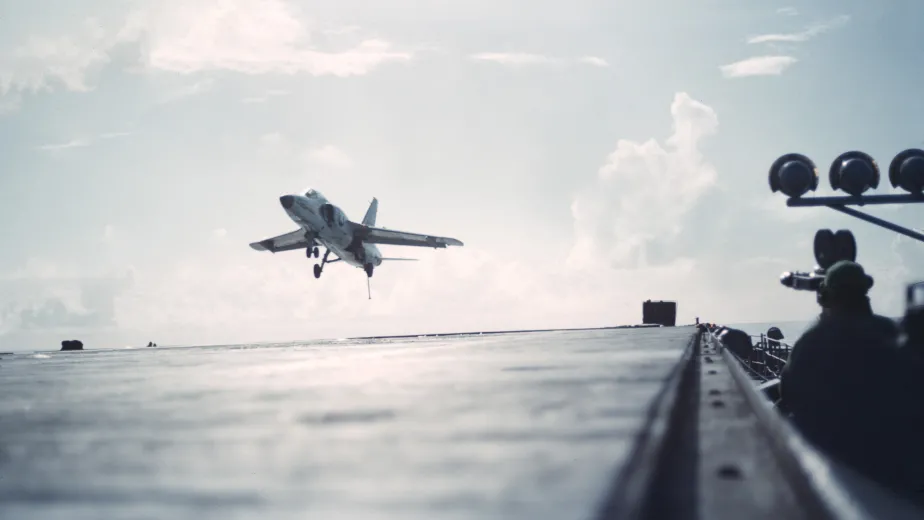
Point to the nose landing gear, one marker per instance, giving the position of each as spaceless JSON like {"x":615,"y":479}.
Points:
{"x":319,"y":268}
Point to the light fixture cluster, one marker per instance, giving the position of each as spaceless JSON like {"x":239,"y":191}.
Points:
{"x":852,"y":172}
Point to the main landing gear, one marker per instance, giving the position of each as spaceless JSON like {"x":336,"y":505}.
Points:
{"x":312,"y":251}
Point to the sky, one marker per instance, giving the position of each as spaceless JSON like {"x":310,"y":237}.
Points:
{"x":590,"y":154}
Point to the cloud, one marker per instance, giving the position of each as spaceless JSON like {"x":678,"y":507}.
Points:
{"x":108,"y":232}
{"x":74,"y":143}
{"x":330,"y":156}
{"x":513,"y":58}
{"x":42,"y":298}
{"x":114,"y":135}
{"x":787,"y":11}
{"x":281,"y":153}
{"x":595,"y":61}
{"x":43,"y":62}
{"x":265,"y":97}
{"x":340,"y":31}
{"x":808,"y":33}
{"x":628,"y":246}
{"x":186,"y":91}
{"x":10,"y":103}
{"x":628,"y":209}
{"x":904,"y":260}
{"x":220,"y":233}
{"x":758,"y":66}
{"x":81,"y":142}
{"x":185,"y":37}
{"x":246,"y":36}
{"x":777,"y":64}
{"x":271,"y":139}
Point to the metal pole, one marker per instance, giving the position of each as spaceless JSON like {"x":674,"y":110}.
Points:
{"x":850,"y":200}
{"x":879,"y":222}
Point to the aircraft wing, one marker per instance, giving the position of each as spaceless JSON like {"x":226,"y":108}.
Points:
{"x":374,"y":235}
{"x":294,"y":240}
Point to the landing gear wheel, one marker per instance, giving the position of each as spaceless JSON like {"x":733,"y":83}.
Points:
{"x":316,"y":252}
{"x":317,"y":271}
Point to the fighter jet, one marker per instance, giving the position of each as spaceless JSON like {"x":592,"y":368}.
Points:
{"x":324,"y":224}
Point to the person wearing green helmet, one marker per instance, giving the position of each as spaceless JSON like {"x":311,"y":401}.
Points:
{"x":845,"y":387}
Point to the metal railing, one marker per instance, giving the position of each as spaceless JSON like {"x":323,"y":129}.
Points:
{"x":763,"y":359}
{"x":766,"y":358}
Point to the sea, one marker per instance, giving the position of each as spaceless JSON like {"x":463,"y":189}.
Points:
{"x":791,"y":329}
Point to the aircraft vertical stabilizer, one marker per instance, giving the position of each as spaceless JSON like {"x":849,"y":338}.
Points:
{"x":369,"y":219}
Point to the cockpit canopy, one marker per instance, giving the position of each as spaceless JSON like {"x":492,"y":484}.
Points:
{"x":315,"y":194}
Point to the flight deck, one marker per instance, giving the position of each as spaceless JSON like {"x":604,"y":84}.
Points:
{"x":621,"y":423}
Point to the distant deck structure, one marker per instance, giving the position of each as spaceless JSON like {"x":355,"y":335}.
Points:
{"x":659,"y":313}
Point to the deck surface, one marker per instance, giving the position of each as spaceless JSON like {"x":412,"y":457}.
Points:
{"x":518,"y":426}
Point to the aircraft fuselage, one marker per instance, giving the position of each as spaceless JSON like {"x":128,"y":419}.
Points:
{"x":328,"y":225}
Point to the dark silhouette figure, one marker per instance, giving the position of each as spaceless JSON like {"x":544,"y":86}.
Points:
{"x":774,"y":335}
{"x":912,"y":350}
{"x":737,"y":341}
{"x":846,"y":387}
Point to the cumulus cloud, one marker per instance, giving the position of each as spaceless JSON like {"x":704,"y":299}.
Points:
{"x":634,"y":205}
{"x":595,"y":61}
{"x":263,"y":297}
{"x":187,"y":36}
{"x":42,"y":297}
{"x":758,"y":66}
{"x":513,"y":58}
{"x":805,"y":35}
{"x":644,"y":190}
{"x":247,"y":36}
{"x":44,"y":62}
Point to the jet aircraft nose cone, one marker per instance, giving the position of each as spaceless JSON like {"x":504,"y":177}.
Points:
{"x":287,"y":201}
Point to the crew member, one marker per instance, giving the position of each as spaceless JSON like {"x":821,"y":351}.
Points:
{"x":845,"y":385}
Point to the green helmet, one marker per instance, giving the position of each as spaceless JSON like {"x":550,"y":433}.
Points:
{"x":846,"y":279}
